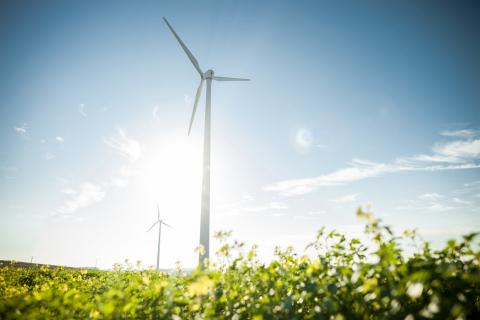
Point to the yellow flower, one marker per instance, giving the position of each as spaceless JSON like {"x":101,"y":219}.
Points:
{"x":369,"y":285}
{"x":201,"y":286}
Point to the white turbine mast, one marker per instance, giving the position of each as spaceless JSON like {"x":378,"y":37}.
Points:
{"x":160,"y":223}
{"x":208,"y":76}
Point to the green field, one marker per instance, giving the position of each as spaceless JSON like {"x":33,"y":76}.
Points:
{"x":345,"y":279}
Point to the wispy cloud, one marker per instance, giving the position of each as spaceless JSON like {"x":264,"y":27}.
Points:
{"x":462,"y":201}
{"x":22,"y":131}
{"x":468,"y":187}
{"x":127,"y":147}
{"x":435,"y":202}
{"x":346,"y":198}
{"x":430,"y":196}
{"x":59,"y":139}
{"x":420,"y":205}
{"x":357,"y":171}
{"x":247,"y":204}
{"x":89,"y":193}
{"x":454,"y":155}
{"x":473,"y":184}
{"x":464,"y":133}
{"x":458,"y":151}
{"x":81,"y":110}
{"x":155,"y":112}
{"x":438,"y":207}
{"x":266,"y":207}
{"x":84,"y":196}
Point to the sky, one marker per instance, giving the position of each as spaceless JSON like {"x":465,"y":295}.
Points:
{"x":351,"y":103}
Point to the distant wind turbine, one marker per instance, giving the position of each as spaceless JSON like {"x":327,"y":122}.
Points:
{"x":160,"y":222}
{"x":208,"y":76}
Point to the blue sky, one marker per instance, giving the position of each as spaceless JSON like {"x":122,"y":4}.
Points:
{"x":351,"y":103}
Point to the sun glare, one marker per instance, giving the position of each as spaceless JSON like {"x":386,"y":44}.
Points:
{"x":169,"y":174}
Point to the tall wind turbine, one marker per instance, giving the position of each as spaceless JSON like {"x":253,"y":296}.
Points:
{"x":208,"y":76}
{"x":160,"y":222}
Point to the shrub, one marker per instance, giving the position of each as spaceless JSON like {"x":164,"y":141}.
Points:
{"x":342,"y":279}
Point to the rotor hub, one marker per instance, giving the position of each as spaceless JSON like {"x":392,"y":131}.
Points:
{"x":208,"y":74}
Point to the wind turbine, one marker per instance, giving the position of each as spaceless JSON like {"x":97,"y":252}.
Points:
{"x":160,"y":222}
{"x":208,"y":76}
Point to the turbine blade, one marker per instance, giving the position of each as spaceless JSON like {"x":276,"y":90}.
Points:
{"x":197,"y":97}
{"x":184,"y":47}
{"x":229,"y":79}
{"x":158,"y":212}
{"x":167,"y":224}
{"x":153,"y":225}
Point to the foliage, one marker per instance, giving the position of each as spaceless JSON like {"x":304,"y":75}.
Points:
{"x":342,"y":279}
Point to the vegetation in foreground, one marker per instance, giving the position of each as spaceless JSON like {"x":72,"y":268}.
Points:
{"x":344,"y":279}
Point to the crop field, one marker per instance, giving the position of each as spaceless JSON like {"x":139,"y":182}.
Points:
{"x":344,"y":279}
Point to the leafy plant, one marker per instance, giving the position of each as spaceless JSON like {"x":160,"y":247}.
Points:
{"x":342,"y":279}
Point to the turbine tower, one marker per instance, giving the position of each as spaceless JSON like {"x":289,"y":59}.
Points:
{"x":204,"y":76}
{"x":160,"y":222}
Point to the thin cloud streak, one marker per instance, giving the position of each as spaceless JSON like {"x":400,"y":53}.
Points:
{"x":127,"y":147}
{"x":464,"y":133}
{"x":268,"y":206}
{"x":430,"y":196}
{"x":456,"y":155}
{"x":84,"y":196}
{"x":246,"y":206}
{"x":81,"y":110}
{"x":460,"y":151}
{"x":88,"y":194}
{"x":434,"y":202}
{"x":348,"y":198}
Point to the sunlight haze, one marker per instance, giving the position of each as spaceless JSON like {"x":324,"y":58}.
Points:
{"x":354,"y":103}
